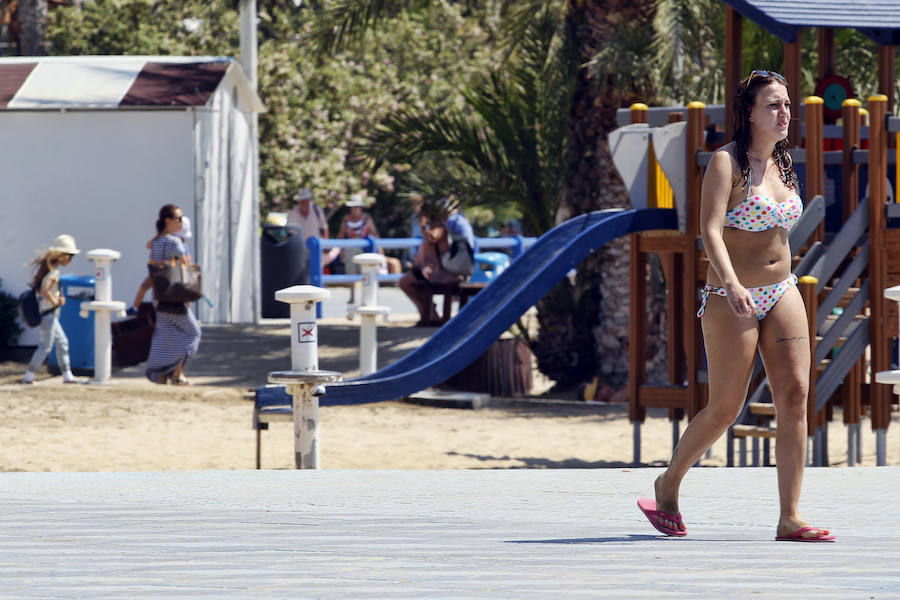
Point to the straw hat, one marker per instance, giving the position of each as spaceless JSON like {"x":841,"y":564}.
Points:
{"x":65,"y":243}
{"x":303,"y":194}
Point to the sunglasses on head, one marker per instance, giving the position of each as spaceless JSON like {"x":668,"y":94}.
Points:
{"x":762,"y":73}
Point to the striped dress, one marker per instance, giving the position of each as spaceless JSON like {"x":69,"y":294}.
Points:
{"x":177,"y":334}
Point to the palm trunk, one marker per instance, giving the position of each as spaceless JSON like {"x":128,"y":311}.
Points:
{"x":594,"y":342}
{"x":33,"y":23}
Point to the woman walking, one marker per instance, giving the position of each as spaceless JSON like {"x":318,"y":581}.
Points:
{"x":177,"y":334}
{"x":749,"y":202}
{"x":46,"y":285}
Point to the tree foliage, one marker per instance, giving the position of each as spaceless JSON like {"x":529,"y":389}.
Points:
{"x":507,"y":140}
{"x":320,"y":105}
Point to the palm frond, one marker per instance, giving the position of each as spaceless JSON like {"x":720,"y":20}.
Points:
{"x":510,"y":138}
{"x":345,"y":22}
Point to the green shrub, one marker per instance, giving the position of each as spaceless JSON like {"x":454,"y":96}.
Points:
{"x":10,"y":330}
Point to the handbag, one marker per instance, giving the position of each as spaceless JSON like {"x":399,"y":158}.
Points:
{"x":175,"y":281}
{"x":459,"y":259}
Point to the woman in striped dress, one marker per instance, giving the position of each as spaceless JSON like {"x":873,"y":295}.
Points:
{"x":177,"y":334}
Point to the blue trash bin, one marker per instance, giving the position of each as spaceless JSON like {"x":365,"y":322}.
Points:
{"x":488,"y":265}
{"x":80,"y":331}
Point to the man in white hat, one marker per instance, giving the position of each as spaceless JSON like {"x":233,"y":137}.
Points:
{"x":308,"y":216}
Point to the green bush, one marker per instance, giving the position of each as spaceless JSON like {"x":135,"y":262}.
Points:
{"x":10,"y":330}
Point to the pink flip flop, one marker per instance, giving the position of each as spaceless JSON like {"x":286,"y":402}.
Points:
{"x":648,"y":507}
{"x":797,"y":536}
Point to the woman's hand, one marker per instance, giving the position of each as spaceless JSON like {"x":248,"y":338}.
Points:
{"x":740,"y":301}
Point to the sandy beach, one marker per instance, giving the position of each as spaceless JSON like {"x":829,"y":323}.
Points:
{"x":133,"y":425}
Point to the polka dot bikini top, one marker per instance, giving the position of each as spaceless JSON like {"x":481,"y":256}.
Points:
{"x":761,"y":212}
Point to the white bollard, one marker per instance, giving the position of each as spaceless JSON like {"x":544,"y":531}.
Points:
{"x":103,"y":305}
{"x":304,"y":375}
{"x":369,"y":311}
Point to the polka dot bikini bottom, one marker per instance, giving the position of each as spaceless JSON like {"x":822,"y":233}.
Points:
{"x":764,"y":297}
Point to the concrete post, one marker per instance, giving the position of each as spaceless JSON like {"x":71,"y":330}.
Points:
{"x":304,"y":377}
{"x":368,"y":310}
{"x":102,"y":305}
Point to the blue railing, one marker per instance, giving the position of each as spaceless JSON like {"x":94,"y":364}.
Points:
{"x":517,"y":244}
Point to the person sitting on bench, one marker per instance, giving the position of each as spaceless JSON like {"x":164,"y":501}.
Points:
{"x":427,"y":265}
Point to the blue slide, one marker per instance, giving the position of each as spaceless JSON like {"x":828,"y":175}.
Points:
{"x":498,"y":306}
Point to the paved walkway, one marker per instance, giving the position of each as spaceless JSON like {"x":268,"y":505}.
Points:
{"x":438,"y":534}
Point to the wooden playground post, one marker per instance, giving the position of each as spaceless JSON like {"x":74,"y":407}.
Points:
{"x":815,"y":420}
{"x":696,"y":120}
{"x":637,"y":329}
{"x":815,"y":155}
{"x":880,"y":396}
{"x":792,"y":63}
{"x":850,"y":171}
{"x":639,"y":113}
{"x":886,"y":74}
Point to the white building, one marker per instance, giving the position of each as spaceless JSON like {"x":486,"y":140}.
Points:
{"x":93,"y":146}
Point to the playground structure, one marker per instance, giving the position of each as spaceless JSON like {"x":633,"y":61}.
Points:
{"x":846,"y":252}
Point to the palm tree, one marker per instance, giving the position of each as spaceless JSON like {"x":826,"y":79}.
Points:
{"x":510,"y":134}
{"x":508,"y":143}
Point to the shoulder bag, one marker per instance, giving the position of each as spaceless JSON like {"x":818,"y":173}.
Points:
{"x":175,"y":281}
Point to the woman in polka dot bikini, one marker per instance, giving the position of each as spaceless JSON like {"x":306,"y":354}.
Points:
{"x":749,"y":202}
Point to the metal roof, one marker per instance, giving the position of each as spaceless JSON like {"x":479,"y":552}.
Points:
{"x":877,"y":19}
{"x":110,"y":82}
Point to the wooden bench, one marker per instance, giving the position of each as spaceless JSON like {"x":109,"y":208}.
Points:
{"x":461,"y":290}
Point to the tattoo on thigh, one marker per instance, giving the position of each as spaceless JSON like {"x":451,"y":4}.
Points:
{"x":796,"y":338}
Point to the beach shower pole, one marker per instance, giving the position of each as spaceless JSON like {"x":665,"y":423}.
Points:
{"x":304,"y":377}
{"x":369,"y":311}
{"x":103,"y":305}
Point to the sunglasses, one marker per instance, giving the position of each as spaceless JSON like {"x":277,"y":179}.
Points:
{"x":177,"y":218}
{"x":762,"y":73}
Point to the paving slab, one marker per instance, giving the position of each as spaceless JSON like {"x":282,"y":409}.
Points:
{"x":493,"y":534}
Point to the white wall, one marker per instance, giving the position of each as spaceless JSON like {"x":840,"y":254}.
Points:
{"x":100,"y":176}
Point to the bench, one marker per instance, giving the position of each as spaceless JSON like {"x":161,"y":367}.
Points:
{"x":461,"y":290}
{"x":271,"y":403}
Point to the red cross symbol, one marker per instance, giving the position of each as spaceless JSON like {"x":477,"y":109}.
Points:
{"x":307,"y":332}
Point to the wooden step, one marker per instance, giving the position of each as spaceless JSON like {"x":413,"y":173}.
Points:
{"x":762,"y":408}
{"x":745,"y":431}
{"x":848,"y":295}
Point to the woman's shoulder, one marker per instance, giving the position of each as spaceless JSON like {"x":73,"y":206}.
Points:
{"x":725,"y":154}
{"x":724,"y":163}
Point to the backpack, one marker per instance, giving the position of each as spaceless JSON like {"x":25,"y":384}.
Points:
{"x":28,"y":306}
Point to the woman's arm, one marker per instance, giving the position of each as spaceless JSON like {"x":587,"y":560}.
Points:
{"x":47,"y":292}
{"x":142,"y":291}
{"x":370,"y":226}
{"x":714,"y":195}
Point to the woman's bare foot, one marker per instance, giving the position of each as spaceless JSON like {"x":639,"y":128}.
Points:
{"x":790,"y":526}
{"x":667,"y":502}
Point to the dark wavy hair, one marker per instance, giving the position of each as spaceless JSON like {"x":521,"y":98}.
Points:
{"x":166,"y":212}
{"x":744,"y":99}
